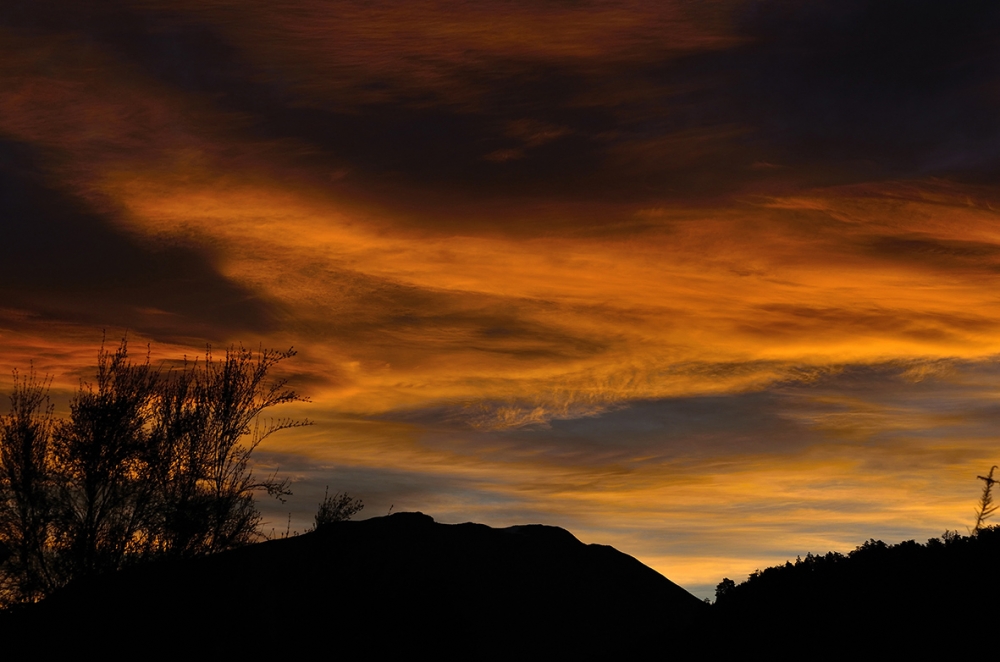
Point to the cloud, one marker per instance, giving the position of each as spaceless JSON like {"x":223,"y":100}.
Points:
{"x":66,"y":261}
{"x":901,"y":85}
{"x":944,"y":254}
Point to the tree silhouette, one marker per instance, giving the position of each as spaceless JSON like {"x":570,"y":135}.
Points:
{"x":25,"y":500}
{"x":101,"y":460}
{"x":216,"y":407}
{"x":148,"y":463}
{"x":986,"y":507}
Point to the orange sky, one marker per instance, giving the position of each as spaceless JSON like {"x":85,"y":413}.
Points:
{"x":712,"y":283}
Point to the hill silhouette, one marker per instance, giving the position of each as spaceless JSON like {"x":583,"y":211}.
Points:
{"x":388,"y":585}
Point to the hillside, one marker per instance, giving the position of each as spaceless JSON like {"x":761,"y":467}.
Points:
{"x":892,"y":599}
{"x":387,"y":585}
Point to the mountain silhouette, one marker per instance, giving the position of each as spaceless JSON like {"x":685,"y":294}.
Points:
{"x":394,"y":585}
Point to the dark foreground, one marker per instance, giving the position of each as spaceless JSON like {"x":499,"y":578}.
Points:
{"x":921,"y":601}
{"x":388,"y":586}
{"x":404,"y":586}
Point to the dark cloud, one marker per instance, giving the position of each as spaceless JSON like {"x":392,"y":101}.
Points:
{"x":67,"y":261}
{"x":940,"y":253}
{"x":679,"y":428}
{"x":642,"y":432}
{"x":909,"y":87}
{"x":405,"y":324}
{"x":824,"y":93}
{"x":404,"y":140}
{"x":778,"y":319}
{"x":815,"y":94}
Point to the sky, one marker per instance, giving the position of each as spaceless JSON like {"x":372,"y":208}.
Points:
{"x":714,"y":283}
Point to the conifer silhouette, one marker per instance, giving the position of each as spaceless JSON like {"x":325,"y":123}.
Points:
{"x":986,"y":507}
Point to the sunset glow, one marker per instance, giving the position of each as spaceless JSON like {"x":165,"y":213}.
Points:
{"x":713,"y":283}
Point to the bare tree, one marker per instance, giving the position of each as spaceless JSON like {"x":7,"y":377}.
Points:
{"x":149,"y":462}
{"x":101,"y":458}
{"x":25,"y":487}
{"x":177,"y":464}
{"x":231,"y":396}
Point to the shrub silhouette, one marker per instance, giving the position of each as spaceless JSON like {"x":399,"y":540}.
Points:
{"x":149,"y":463}
{"x":337,"y":508}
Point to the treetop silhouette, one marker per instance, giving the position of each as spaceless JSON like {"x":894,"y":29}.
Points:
{"x":986,"y":507}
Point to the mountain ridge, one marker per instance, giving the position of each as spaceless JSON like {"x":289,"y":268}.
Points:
{"x":398,"y":583}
